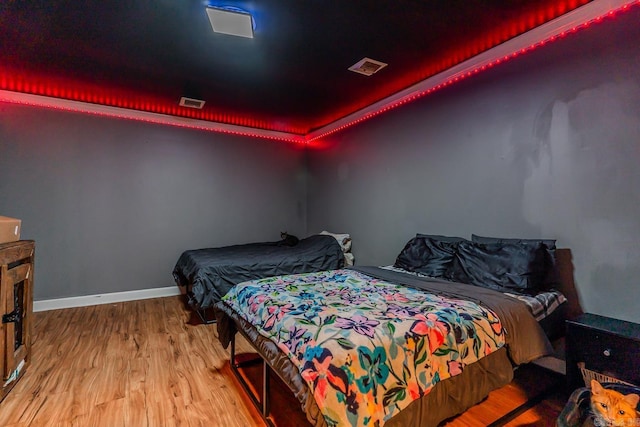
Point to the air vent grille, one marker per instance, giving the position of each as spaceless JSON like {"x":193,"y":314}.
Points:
{"x":191,"y":103}
{"x":367,"y":66}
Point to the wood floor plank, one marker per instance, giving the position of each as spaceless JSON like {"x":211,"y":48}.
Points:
{"x":144,"y":363}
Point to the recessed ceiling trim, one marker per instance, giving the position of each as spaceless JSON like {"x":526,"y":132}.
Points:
{"x":557,"y":28}
{"x":578,"y":19}
{"x":142,"y":116}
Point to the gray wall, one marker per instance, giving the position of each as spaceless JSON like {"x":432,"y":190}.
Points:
{"x":543,"y":146}
{"x":547,"y":145}
{"x":111,"y":203}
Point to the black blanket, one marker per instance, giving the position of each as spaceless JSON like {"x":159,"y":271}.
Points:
{"x":208,"y":274}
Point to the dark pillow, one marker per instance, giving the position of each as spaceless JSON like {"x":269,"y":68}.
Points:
{"x":515,"y":267}
{"x":442,"y":238}
{"x":427,"y":256}
{"x":552,"y":277}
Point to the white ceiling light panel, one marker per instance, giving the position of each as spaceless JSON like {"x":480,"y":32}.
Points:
{"x":233,"y":22}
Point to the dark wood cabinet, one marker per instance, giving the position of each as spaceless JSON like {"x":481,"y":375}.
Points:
{"x":606,"y":346}
{"x":16,"y":308}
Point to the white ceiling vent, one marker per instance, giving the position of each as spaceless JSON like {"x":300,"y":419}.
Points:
{"x":191,"y":103}
{"x":367,"y":66}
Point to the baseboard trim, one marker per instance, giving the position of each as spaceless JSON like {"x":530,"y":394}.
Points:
{"x":87,"y":300}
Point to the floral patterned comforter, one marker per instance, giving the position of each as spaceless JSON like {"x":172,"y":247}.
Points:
{"x":367,"y":348}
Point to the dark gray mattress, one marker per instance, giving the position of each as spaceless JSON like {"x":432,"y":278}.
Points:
{"x":208,"y":274}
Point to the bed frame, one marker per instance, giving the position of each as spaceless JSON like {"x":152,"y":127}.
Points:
{"x":262,"y":405}
{"x":262,"y":402}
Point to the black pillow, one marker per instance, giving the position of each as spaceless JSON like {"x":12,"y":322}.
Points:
{"x":514,"y":267}
{"x":552,"y":276}
{"x":427,"y":256}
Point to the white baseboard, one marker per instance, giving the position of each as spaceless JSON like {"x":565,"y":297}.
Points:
{"x":87,"y":300}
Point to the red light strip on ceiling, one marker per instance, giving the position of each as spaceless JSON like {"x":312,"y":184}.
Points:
{"x":569,"y":23}
{"x":572,"y":22}
{"x":143,"y":116}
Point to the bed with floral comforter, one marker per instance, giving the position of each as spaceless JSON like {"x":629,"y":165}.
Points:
{"x":367,"y":347}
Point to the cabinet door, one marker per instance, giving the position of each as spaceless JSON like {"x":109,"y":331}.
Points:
{"x":16,"y":309}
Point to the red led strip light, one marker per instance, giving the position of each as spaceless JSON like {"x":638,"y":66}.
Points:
{"x":468,"y":68}
{"x":117,"y":104}
{"x":143,"y":116}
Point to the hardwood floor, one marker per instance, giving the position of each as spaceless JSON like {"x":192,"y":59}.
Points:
{"x":142,"y":363}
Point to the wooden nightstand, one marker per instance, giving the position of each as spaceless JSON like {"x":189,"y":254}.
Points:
{"x":607,"y":346}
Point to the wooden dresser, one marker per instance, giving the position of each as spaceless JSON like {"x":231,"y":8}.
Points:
{"x":16,"y":308}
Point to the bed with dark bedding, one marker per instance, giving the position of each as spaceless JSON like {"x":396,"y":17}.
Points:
{"x":207,"y":274}
{"x":394,"y":346}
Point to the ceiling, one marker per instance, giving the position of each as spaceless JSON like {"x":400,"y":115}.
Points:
{"x":291,"y":78}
